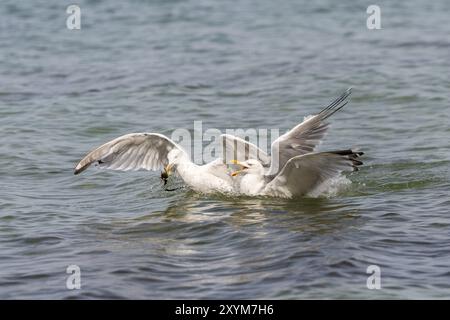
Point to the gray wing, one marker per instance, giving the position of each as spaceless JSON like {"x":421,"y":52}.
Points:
{"x":235,"y":148}
{"x":303,"y":174}
{"x":132,"y":151}
{"x":304,"y":137}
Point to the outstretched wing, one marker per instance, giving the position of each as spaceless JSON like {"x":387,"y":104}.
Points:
{"x":132,"y":151}
{"x":303,"y":174}
{"x":304,"y":137}
{"x":235,"y":148}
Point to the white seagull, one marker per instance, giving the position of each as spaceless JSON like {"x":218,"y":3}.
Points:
{"x":300,"y":176}
{"x":152,"y":151}
{"x":295,"y":169}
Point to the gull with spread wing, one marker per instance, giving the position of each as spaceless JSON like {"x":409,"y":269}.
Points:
{"x":294,"y":169}
{"x":152,"y":151}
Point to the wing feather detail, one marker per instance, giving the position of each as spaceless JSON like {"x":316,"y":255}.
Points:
{"x":305,"y":137}
{"x":132,"y":151}
{"x":304,"y":173}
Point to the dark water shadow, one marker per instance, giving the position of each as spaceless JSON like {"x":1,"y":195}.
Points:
{"x":303,"y":214}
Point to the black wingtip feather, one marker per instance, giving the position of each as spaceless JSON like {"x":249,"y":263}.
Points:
{"x":336,"y":103}
{"x":350,"y":155}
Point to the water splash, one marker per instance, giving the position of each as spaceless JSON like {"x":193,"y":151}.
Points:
{"x":331,"y":188}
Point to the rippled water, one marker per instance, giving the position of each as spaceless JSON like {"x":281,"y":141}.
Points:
{"x":160,"y":65}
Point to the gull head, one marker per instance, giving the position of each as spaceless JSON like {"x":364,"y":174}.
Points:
{"x":174,"y":157}
{"x":251,"y":166}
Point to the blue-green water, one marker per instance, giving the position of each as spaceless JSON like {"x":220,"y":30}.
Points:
{"x":160,"y":65}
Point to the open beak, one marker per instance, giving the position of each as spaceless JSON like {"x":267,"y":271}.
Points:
{"x":235,"y":173}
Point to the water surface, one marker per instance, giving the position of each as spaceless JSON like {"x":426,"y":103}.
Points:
{"x":161,"y":65}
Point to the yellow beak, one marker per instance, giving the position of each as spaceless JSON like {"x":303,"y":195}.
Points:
{"x":235,"y":173}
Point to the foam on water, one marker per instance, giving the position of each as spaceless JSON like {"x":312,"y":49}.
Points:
{"x":331,"y":187}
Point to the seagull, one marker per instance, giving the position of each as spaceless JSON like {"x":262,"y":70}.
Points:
{"x":300,"y":175}
{"x":294,"y":169}
{"x":153,"y":151}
